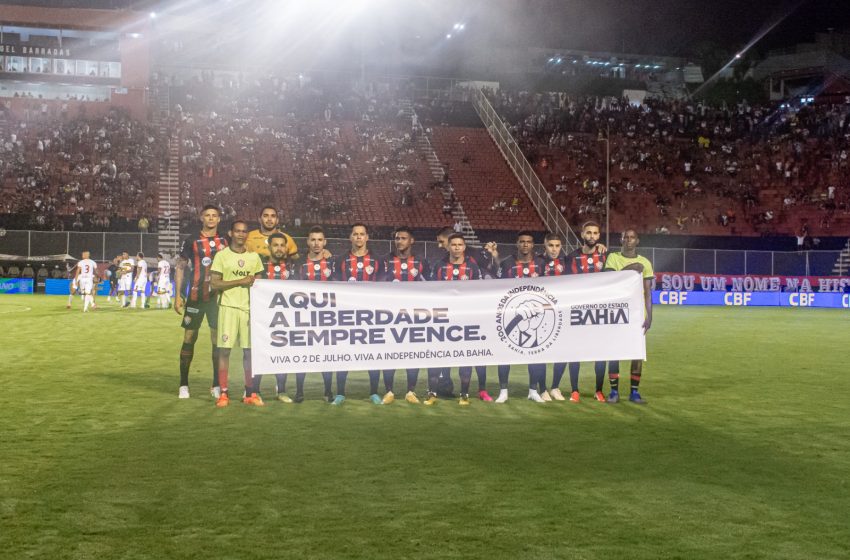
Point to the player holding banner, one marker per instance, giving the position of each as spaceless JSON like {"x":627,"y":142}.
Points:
{"x":457,"y":266}
{"x":276,"y":268}
{"x":317,"y":268}
{"x":358,"y":266}
{"x":232,"y":273}
{"x":628,"y":259}
{"x":554,"y":264}
{"x":402,"y":266}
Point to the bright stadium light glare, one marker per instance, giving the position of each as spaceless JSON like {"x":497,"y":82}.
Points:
{"x":152,"y":15}
{"x":448,"y":35}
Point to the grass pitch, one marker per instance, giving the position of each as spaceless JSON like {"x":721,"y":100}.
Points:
{"x":741,"y":453}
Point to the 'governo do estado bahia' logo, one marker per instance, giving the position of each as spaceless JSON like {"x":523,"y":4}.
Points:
{"x":528,"y":320}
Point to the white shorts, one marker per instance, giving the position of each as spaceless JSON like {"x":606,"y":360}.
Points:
{"x":140,"y":286}
{"x":86,"y":286}
{"x":162,"y":286}
{"x":125,"y":283}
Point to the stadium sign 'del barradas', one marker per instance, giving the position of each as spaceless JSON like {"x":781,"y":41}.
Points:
{"x":301,"y":327}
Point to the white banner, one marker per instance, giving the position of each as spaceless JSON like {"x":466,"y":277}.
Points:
{"x":299,"y":326}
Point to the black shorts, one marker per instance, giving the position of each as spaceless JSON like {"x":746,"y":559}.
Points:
{"x":195,"y":312}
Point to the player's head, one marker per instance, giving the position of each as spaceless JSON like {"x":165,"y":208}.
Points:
{"x":552,"y":244}
{"x":457,"y":246}
{"x":524,"y":243}
{"x":316,"y":241}
{"x":268,"y":218}
{"x":359,"y":235}
{"x":85,"y":255}
{"x":238,"y":233}
{"x":125,"y":255}
{"x":630,"y":239}
{"x":403,"y":239}
{"x":140,"y":255}
{"x":443,"y":237}
{"x":210,"y":216}
{"x":277,"y":247}
{"x":590,"y":234}
{"x":159,"y":256}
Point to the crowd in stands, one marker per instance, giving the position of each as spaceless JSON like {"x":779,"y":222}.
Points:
{"x":59,"y":172}
{"x":681,"y":166}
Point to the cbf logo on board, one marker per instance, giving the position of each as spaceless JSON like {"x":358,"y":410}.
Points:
{"x":528,"y":320}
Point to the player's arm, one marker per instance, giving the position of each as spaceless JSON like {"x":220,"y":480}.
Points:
{"x":647,"y":297}
{"x":179,"y":275}
{"x":291,"y":249}
{"x":219,"y":284}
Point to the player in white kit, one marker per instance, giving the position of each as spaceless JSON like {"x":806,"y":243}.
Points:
{"x":141,"y":283}
{"x":125,"y":281}
{"x":163,"y":283}
{"x":84,"y":278}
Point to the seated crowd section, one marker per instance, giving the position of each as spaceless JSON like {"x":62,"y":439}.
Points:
{"x":331,"y":155}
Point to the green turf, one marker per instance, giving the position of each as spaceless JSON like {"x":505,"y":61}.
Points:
{"x":741,"y":453}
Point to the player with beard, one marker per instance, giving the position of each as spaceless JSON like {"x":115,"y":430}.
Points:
{"x":523,"y":265}
{"x":587,"y":259}
{"x":487,"y":260}
{"x":402,"y":266}
{"x":358,"y":266}
{"x":456,"y":266}
{"x":198,"y":300}
{"x":258,"y":239}
{"x":276,"y":267}
{"x":628,"y":259}
{"x":317,"y":268}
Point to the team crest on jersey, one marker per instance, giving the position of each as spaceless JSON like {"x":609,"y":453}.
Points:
{"x":528,"y":320}
{"x":187,"y":320}
{"x":206,"y":261}
{"x":285,"y":274}
{"x":224,"y":338}
{"x":326,"y":272}
{"x":414,"y":272}
{"x":241,"y":263}
{"x":370,"y":269}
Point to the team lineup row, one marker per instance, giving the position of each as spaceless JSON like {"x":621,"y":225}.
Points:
{"x":214,"y":272}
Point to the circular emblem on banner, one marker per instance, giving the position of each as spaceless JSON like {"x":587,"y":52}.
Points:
{"x":206,"y":261}
{"x":525,"y":271}
{"x":528,"y":320}
{"x":360,"y":265}
{"x":404,"y":266}
{"x":277,"y":268}
{"x":370,"y":269}
{"x":326,"y":272}
{"x":456,"y":272}
{"x":317,"y":267}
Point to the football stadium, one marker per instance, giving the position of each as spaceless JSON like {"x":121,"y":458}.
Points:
{"x":228,"y":228}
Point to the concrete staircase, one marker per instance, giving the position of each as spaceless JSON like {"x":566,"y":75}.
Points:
{"x":423,"y":145}
{"x":168,"y":218}
{"x":842,"y":263}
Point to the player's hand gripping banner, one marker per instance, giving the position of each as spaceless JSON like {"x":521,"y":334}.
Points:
{"x":310,"y":326}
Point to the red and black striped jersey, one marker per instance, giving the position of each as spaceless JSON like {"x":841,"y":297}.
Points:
{"x":554,"y":267}
{"x":318,"y":271}
{"x":275,"y":271}
{"x":398,"y":269}
{"x":512,"y":268}
{"x":467,"y":270}
{"x":579,"y":263}
{"x":199,"y":251}
{"x":350,"y":268}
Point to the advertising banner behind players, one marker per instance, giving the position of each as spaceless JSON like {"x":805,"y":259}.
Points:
{"x":304,"y":327}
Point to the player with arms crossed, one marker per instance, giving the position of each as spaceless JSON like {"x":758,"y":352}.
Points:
{"x":232,"y":274}
{"x":587,"y":259}
{"x":628,"y":259}
{"x":197,"y":299}
{"x":456,"y":266}
{"x":317,"y":268}
{"x":86,"y":279}
{"x":358,"y":266}
{"x":276,"y":268}
{"x":402,"y":266}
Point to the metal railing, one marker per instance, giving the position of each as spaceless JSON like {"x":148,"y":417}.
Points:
{"x":552,"y":217}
